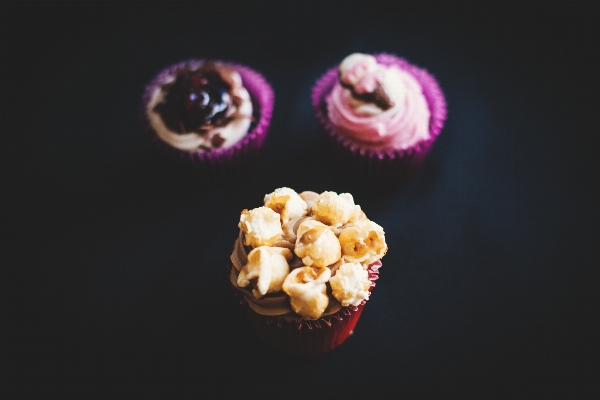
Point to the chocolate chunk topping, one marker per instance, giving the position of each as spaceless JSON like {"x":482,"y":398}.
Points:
{"x":217,"y":140}
{"x":197,"y":98}
{"x":381,"y":98}
{"x":378,"y":97}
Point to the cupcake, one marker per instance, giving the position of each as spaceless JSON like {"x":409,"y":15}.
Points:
{"x":212,"y":116}
{"x":303,"y":267}
{"x":379,"y":116}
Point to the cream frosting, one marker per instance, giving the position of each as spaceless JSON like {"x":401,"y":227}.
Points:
{"x":290,"y":229}
{"x":309,"y":197}
{"x":313,"y":252}
{"x":230,"y":134}
{"x":378,"y":106}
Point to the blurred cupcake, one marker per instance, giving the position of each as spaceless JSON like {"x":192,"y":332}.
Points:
{"x":303,"y":267}
{"x":212,"y":116}
{"x":380,"y":116}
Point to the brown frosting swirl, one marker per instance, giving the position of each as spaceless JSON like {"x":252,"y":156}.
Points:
{"x":273,"y":304}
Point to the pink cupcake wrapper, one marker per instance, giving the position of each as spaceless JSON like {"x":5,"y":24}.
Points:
{"x":378,"y":166}
{"x":308,"y":338}
{"x":224,"y":163}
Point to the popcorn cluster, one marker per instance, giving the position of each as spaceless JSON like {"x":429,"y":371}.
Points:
{"x":309,"y":246}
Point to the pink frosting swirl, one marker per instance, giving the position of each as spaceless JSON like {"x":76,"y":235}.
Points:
{"x":378,"y":107}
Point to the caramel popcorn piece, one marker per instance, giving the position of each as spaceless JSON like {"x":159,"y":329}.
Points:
{"x":287,"y":203}
{"x":363,"y":242}
{"x":350,"y":284}
{"x":266,"y":270}
{"x":335,"y":210}
{"x":307,"y":291}
{"x":261,"y":226}
{"x":316,"y":244}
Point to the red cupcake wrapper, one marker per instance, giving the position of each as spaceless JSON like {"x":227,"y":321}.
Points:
{"x":237,"y":161}
{"x":308,"y":338}
{"x":376,"y":169}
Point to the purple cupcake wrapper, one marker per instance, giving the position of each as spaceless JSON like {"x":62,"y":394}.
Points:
{"x":222,"y":162}
{"x":377,"y":166}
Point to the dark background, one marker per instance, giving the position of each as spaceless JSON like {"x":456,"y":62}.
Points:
{"x":113,"y":264}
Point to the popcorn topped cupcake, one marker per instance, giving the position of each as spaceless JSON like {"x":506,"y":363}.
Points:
{"x":307,"y":260}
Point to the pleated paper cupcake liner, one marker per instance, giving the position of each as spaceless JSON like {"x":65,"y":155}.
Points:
{"x":220,"y":165}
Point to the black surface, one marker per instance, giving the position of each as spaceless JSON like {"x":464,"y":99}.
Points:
{"x":113,"y":266}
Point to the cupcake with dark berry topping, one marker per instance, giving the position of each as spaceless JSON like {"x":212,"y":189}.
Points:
{"x":213,"y":116}
{"x":380,"y":116}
